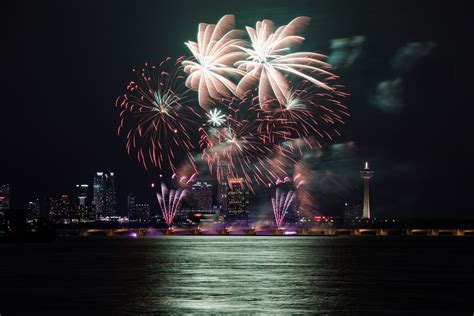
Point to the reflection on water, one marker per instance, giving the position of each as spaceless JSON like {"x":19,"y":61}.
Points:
{"x":213,"y":274}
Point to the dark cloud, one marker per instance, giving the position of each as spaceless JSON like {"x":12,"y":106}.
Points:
{"x":345,"y":51}
{"x":388,"y":96}
{"x":406,"y":57}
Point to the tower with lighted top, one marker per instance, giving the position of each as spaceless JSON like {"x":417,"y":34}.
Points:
{"x":366,"y":174}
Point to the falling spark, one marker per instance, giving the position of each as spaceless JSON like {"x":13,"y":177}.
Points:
{"x":170,"y":202}
{"x":280,"y":203}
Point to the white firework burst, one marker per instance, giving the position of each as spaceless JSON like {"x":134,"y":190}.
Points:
{"x":215,"y":118}
{"x":215,"y":53}
{"x":269,"y":61}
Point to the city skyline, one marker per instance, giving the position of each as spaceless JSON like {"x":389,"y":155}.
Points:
{"x":97,"y":203}
{"x":271,"y":157}
{"x":408,"y":159}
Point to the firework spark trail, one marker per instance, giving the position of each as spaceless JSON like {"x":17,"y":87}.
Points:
{"x":283,"y":101}
{"x":170,"y":202}
{"x":157,"y":115}
{"x":280,"y":203}
{"x":269,"y":60}
{"x":237,"y":149}
{"x":306,"y":112}
{"x":215,"y":53}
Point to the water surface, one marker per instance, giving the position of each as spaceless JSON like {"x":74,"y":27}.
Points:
{"x":262,"y":275}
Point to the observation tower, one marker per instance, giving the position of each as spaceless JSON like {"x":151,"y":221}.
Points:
{"x":366,"y":174}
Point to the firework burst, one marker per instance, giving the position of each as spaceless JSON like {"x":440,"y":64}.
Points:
{"x":236,"y":149}
{"x":170,"y":202}
{"x":280,"y":203}
{"x":215,"y":118}
{"x":306,"y":113}
{"x":269,"y":60}
{"x":214,"y":56}
{"x":157,"y":116}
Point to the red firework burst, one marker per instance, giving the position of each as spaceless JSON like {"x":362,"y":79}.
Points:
{"x":157,"y":115}
{"x":307,"y":112}
{"x":236,"y":149}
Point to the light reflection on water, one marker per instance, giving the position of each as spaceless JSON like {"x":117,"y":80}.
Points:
{"x":215,"y":274}
{"x":241,"y":274}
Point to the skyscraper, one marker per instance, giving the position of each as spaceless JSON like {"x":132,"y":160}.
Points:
{"x":366,"y":174}
{"x":237,"y":201}
{"x":201,"y":194}
{"x":104,"y":194}
{"x":140,"y":213}
{"x":4,"y":197}
{"x":131,"y":203}
{"x":222,"y":188}
{"x":33,"y":210}
{"x":99,"y":191}
{"x":60,"y":209}
{"x":82,"y":193}
{"x":84,"y":211}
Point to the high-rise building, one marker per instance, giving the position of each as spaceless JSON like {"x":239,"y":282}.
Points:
{"x":33,"y":210}
{"x":60,"y":210}
{"x":222,"y":188}
{"x":131,"y":203}
{"x":366,"y":174}
{"x":99,"y":192}
{"x":237,"y":201}
{"x":140,"y":213}
{"x":201,"y":194}
{"x":82,"y":193}
{"x":84,"y":211}
{"x":104,"y":194}
{"x":110,"y":198}
{"x":4,"y":197}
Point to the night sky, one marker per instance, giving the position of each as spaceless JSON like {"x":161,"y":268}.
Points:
{"x":66,"y":62}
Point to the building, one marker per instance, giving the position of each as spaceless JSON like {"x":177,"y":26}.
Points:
{"x":201,"y":195}
{"x":82,"y":194}
{"x":104,"y":194}
{"x":84,"y":210}
{"x":141,"y":213}
{"x":60,"y":210}
{"x":99,"y":192}
{"x":33,"y":210}
{"x":222,"y":188}
{"x":237,"y":201}
{"x":4,"y":197}
{"x":131,"y":203}
{"x":366,"y":174}
{"x":15,"y":222}
{"x":352,"y":211}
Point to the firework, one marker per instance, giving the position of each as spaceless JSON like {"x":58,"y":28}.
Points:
{"x":214,"y":56}
{"x":305,"y":112}
{"x":157,"y":116}
{"x":170,"y":202}
{"x":280,"y":203}
{"x":237,"y":149}
{"x":215,"y":117}
{"x":269,"y":61}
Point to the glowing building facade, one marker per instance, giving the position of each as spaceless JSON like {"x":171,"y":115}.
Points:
{"x":4,"y":197}
{"x":60,"y":209}
{"x":140,"y":213}
{"x":84,"y":211}
{"x":222,"y":190}
{"x":33,"y":210}
{"x":201,"y":193}
{"x":237,"y":201}
{"x":131,"y":204}
{"x":104,"y":194}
